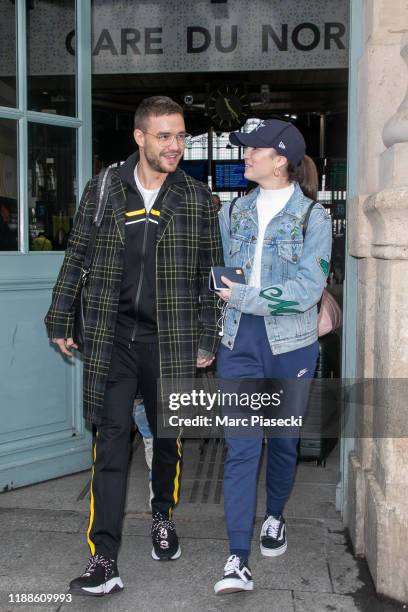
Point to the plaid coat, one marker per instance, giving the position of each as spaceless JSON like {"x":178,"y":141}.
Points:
{"x":188,"y":243}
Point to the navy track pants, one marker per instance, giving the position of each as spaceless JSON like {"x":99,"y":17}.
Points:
{"x":251,"y":357}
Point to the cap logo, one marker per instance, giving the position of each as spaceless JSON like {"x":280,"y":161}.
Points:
{"x":281,"y":145}
{"x":260,"y":125}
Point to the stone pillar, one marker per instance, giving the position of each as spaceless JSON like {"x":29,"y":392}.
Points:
{"x":378,"y":234}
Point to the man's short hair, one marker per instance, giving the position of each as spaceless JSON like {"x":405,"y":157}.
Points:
{"x":155,"y":106}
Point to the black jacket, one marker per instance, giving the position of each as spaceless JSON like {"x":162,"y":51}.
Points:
{"x":137,"y":316}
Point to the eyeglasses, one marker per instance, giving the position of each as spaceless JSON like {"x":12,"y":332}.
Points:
{"x":167,"y":139}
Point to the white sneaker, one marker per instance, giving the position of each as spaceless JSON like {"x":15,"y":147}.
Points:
{"x":273,"y":536}
{"x":237,"y":577}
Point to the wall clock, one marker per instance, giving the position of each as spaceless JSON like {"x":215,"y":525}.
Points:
{"x":228,"y":107}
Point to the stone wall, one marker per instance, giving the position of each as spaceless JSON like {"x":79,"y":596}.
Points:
{"x":377,"y":509}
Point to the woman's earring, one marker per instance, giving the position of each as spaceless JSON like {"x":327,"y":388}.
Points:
{"x":276,"y":171}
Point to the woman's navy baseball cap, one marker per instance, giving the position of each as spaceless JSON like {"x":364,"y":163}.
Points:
{"x":282,"y":136}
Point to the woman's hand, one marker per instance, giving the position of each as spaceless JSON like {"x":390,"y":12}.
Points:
{"x":225,"y":294}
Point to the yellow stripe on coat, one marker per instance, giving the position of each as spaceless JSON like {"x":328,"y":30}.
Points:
{"x":133,"y":213}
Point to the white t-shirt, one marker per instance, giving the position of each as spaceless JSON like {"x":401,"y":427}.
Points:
{"x":268,"y":203}
{"x":149,"y":195}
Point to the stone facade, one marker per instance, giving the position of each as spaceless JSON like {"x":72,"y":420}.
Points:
{"x":377,"y":508}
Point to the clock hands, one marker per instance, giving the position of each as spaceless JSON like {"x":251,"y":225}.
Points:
{"x":229,"y":107}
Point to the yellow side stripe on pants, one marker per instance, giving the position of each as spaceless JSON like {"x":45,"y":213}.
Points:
{"x":92,"y":508}
{"x":176,"y":494}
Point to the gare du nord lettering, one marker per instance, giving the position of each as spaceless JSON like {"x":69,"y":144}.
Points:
{"x":224,"y":39}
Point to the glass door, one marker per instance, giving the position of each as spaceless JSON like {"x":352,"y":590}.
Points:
{"x":45,"y":161}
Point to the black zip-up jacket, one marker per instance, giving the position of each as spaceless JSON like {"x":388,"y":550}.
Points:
{"x":137,"y":317}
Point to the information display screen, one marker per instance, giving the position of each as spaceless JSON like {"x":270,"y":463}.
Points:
{"x":229,"y":176}
{"x":198,"y":169}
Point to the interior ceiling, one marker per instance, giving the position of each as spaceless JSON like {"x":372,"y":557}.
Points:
{"x":290,"y":90}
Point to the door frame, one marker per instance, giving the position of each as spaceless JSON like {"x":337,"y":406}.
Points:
{"x":350,"y":297}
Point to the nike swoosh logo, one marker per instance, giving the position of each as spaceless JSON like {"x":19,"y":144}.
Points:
{"x":302,"y":372}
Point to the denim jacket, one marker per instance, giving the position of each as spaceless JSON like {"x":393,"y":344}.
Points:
{"x":293,"y":271}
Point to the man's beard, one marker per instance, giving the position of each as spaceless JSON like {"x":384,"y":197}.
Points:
{"x":155,"y":163}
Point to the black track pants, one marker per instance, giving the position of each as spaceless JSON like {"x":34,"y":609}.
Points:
{"x":133,"y":366}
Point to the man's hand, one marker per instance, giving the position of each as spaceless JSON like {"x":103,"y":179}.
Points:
{"x":204,"y":362}
{"x":64,"y":345}
{"x":204,"y":358}
{"x":225,"y":294}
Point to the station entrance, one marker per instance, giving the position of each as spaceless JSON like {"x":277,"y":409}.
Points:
{"x":215,"y":104}
{"x":68,"y":110}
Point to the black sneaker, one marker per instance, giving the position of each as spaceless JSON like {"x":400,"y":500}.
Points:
{"x":165,"y":541}
{"x":101,"y":577}
{"x":273,"y":536}
{"x":237,"y":577}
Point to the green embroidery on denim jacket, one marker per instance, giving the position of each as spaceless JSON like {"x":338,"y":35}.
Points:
{"x":279,"y":307}
{"x":240,"y":221}
{"x":295,"y":231}
{"x":325,"y":266}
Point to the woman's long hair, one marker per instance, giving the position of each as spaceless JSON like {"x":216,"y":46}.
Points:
{"x":306,"y":175}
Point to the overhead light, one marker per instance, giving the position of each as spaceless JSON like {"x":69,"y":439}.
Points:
{"x":293,"y":116}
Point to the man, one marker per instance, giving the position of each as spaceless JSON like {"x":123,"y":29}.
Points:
{"x":149,"y":315}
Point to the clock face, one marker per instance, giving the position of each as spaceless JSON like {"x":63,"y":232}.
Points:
{"x":228,"y":107}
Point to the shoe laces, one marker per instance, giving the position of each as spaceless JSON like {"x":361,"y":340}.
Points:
{"x":270,"y":528}
{"x":232,"y":565}
{"x":97,"y":560}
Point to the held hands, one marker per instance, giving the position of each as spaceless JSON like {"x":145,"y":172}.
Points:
{"x":65,"y":345}
{"x":225,"y":294}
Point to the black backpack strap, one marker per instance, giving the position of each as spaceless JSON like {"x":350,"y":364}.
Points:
{"x":304,"y":229}
{"x":306,"y":219}
{"x":102,"y":192}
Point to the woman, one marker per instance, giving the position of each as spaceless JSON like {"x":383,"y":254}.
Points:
{"x":270,"y":327}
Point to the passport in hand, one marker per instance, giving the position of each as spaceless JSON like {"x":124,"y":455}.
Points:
{"x":235,"y":275}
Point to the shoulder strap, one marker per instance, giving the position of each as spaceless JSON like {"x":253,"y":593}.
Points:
{"x":304,"y":229}
{"x":306,"y":219}
{"x":233,"y":202}
{"x":102,"y":191}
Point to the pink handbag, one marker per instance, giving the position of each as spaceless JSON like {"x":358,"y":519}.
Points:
{"x":330,"y":315}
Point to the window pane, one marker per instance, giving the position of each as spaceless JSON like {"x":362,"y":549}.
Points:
{"x":8,"y":186}
{"x":8,"y":94}
{"x":51,"y":185}
{"x":51,"y":60}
